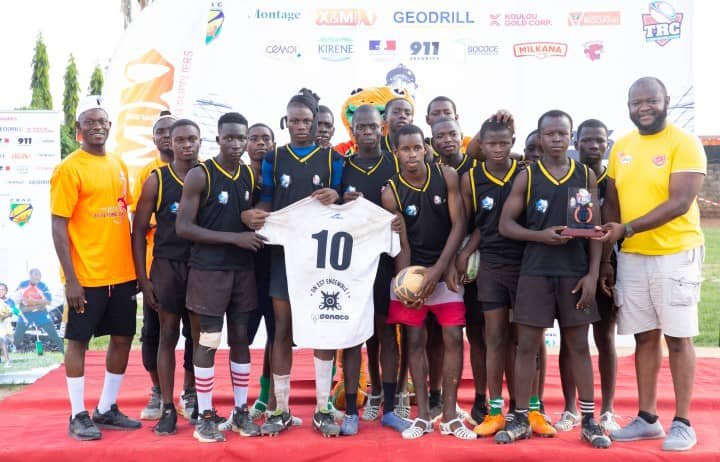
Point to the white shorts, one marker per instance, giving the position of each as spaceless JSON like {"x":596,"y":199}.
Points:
{"x":659,"y":292}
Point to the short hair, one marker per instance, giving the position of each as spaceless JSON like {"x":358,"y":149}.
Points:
{"x":590,"y":123}
{"x":272,"y":133}
{"x":494,"y":125}
{"x":438,"y":99}
{"x":326,"y":110}
{"x":183,"y":123}
{"x":646,"y":80}
{"x":534,"y":132}
{"x":231,"y":118}
{"x":442,"y":120}
{"x":554,"y":113}
{"x":365,"y":109}
{"x":393,"y":101}
{"x":164,"y":114}
{"x":407,"y":130}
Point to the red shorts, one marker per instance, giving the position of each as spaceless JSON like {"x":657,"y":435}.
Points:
{"x":445,"y":304}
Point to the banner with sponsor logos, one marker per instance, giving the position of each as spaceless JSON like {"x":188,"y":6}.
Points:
{"x":29,"y":150}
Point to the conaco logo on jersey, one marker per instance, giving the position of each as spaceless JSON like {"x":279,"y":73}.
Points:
{"x":433,"y":17}
{"x":345,"y":17}
{"x":540,"y":49}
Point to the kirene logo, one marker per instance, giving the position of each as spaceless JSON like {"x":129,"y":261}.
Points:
{"x":433,"y":17}
{"x":336,"y":48}
{"x":662,"y":24}
{"x":345,"y":17}
{"x":594,"y":18}
{"x":540,"y":49}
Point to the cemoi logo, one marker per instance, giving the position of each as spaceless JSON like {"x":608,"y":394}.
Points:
{"x":345,"y":17}
{"x":282,"y":51}
{"x":662,"y":24}
{"x":540,"y":49}
{"x":336,"y":48}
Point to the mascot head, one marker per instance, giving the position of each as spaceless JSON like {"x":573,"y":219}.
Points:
{"x":377,"y":96}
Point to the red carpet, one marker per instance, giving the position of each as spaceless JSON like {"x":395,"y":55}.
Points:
{"x":33,"y":424}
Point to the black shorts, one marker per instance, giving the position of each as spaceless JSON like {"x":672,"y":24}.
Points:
{"x":381,"y":288}
{"x":169,"y":279}
{"x":110,"y":310}
{"x":606,"y":306}
{"x":542,"y":299}
{"x":215,"y":293}
{"x":278,"y":276}
{"x":473,"y":308}
{"x":497,"y":285}
{"x":265,"y":307}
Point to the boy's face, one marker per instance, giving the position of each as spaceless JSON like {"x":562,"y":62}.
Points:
{"x":367,"y":129}
{"x":440,"y":109}
{"x":233,"y":140}
{"x":410,"y":151}
{"x":399,"y":114}
{"x":260,"y":141}
{"x":496,"y":144}
{"x":532,"y":150}
{"x":161,"y":134}
{"x":299,"y":122}
{"x":555,"y":135}
{"x":447,"y":138}
{"x":186,"y":143}
{"x":325,"y":129}
{"x":591,"y":144}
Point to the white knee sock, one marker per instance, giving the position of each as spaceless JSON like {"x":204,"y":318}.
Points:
{"x":323,"y":382}
{"x":110,"y":390}
{"x":204,"y":383}
{"x":76,"y":390}
{"x":282,"y":391}
{"x":240,"y":374}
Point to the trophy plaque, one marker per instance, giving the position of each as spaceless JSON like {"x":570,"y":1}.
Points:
{"x":580,"y":214}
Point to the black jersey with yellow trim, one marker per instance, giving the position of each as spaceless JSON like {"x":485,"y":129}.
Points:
{"x":167,"y":244}
{"x":546,"y":205}
{"x":426,"y":213}
{"x":369,"y":176}
{"x":298,"y":177}
{"x":602,"y":186}
{"x":228,"y":195}
{"x":489,"y":194}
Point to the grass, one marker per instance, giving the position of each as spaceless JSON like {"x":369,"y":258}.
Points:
{"x":709,"y":309}
{"x":30,"y":360}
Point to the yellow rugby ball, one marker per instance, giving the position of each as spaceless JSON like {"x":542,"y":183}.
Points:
{"x":407,"y":283}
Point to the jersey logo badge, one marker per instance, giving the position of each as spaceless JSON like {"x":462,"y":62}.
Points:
{"x":330,"y":301}
{"x":624,"y":158}
{"x":488,"y":203}
{"x":659,"y":161}
{"x":350,"y":189}
{"x":437,"y":200}
{"x":541,"y":205}
{"x":285,"y":181}
{"x":247,"y":195}
{"x":411,"y":210}
{"x":223,"y":197}
{"x":337,"y":216}
{"x":316,"y":180}
{"x":174,"y":207}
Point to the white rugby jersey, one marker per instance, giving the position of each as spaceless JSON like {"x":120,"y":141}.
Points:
{"x":331,"y":258}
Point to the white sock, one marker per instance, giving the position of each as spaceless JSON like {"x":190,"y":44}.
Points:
{"x":110,"y":390}
{"x":76,"y":390}
{"x":323,"y":382}
{"x":282,"y":392}
{"x":240,"y":374}
{"x":204,"y":383}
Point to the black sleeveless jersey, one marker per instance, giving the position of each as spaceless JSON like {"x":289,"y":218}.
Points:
{"x":602,"y":187}
{"x":167,"y":244}
{"x":426,"y":213}
{"x":369,"y":176}
{"x":465,"y":165}
{"x":546,"y":205}
{"x":297,"y":177}
{"x":489,"y":194}
{"x":227,"y":196}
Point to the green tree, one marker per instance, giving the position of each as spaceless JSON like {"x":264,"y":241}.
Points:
{"x":71,"y":97}
{"x":96,"y":81}
{"x":40,"y":81}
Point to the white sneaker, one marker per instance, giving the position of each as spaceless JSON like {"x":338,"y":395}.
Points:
{"x":608,"y":422}
{"x":567,"y":421}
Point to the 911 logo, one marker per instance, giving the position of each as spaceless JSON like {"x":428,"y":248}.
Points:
{"x":424,"y":51}
{"x":662,"y":24}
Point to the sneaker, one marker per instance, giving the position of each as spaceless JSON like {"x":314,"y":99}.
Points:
{"x":349,"y":426}
{"x":207,"y":430}
{"x":167,"y":424}
{"x":153,"y":410}
{"x":242,"y":423}
{"x":324,"y":422}
{"x":276,"y":422}
{"x":335,"y":412}
{"x":187,"y":403}
{"x":395,"y":422}
{"x":371,"y":411}
{"x":680,"y":438}
{"x":594,"y":434}
{"x":567,"y":421}
{"x":115,"y":420}
{"x":639,"y":429}
{"x":608,"y":422}
{"x":540,"y":425}
{"x":518,"y":429}
{"x":477,"y":414}
{"x":490,"y":425}
{"x":258,"y":409}
{"x":82,"y":428}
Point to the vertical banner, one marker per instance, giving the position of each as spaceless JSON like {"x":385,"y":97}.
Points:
{"x":151,"y":71}
{"x":29,"y":150}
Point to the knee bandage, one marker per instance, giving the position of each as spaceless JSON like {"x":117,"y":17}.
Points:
{"x":210,"y":340}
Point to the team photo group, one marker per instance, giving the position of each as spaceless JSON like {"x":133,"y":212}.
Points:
{"x":385,"y":254}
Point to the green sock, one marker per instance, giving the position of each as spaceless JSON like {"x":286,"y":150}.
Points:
{"x":264,"y":389}
{"x":496,"y":405}
{"x":535,"y":403}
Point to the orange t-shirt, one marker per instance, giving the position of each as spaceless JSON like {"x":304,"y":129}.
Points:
{"x":92,"y":191}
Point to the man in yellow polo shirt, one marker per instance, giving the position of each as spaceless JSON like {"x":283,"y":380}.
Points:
{"x":89,"y":200}
{"x":654,"y":176}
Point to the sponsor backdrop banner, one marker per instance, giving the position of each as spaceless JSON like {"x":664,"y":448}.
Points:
{"x":29,"y":150}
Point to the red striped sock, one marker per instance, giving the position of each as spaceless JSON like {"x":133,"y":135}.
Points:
{"x":240,"y":374}
{"x":204,"y":384}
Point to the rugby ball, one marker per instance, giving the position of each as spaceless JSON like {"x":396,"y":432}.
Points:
{"x":407,"y":283}
{"x":662,"y":12}
{"x":472,"y":266}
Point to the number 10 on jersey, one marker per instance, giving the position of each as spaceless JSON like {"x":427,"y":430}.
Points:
{"x":340,"y":249}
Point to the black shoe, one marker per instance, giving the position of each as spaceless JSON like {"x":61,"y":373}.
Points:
{"x":518,"y":429}
{"x":206,"y":430}
{"x":276,"y":422}
{"x":478,"y":413}
{"x":167,"y":424}
{"x":594,"y":434}
{"x":195,"y":417}
{"x":82,"y":428}
{"x":325,"y":424}
{"x":242,"y":423}
{"x":115,"y":420}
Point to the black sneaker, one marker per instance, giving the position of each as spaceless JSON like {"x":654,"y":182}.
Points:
{"x":594,"y":434}
{"x":276,"y":422}
{"x":167,"y":424}
{"x":518,"y":429}
{"x":478,"y":413}
{"x":206,"y":430}
{"x":325,"y":424}
{"x":187,"y":404}
{"x":241,"y":422}
{"x":82,"y":428}
{"x":195,"y":417}
{"x":115,"y":420}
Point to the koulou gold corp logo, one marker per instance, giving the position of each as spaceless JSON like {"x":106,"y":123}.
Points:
{"x":540,"y":49}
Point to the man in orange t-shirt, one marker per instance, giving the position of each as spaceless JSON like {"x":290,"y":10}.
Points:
{"x":89,"y":198}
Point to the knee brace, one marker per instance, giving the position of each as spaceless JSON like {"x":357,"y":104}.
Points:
{"x":210,"y":340}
